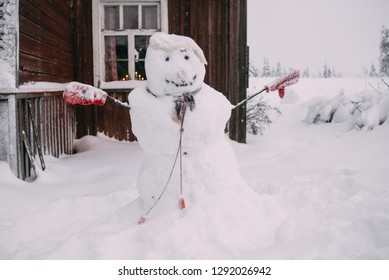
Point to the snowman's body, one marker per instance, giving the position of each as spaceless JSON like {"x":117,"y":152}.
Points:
{"x":175,"y":66}
{"x":208,"y":160}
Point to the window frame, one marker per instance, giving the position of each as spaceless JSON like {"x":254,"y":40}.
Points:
{"x":99,"y":32}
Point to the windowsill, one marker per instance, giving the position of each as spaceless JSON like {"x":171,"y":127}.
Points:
{"x":33,"y":87}
{"x":130,"y":84}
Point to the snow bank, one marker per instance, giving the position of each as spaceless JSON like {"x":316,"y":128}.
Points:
{"x":374,"y":113}
{"x":365,"y":111}
{"x":322,"y":194}
{"x":323,"y":109}
{"x":291,"y":96}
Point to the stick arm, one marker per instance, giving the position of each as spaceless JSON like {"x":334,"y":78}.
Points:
{"x":120,"y":103}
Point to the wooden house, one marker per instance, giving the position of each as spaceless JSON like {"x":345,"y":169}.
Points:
{"x":102,"y":43}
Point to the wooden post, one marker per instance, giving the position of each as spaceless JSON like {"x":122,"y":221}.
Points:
{"x":8,"y":132}
{"x":238,"y":69}
{"x":83,"y":63}
{"x":220,"y":29}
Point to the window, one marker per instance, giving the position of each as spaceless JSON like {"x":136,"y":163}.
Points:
{"x":122,"y":30}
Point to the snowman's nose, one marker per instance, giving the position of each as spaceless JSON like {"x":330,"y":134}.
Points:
{"x":182,"y":75}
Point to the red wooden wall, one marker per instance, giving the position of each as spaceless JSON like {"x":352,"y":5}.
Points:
{"x":56,"y":46}
{"x":46,"y":41}
{"x":219,"y":27}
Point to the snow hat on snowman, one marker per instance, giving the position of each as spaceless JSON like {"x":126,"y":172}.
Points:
{"x":174,"y":65}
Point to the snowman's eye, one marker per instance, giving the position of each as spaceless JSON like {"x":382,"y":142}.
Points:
{"x":167,"y":58}
{"x":186,"y":57}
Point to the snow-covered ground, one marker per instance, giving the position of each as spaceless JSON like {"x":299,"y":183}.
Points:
{"x":324,"y":189}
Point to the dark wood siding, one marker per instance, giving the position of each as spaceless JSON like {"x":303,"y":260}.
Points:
{"x":56,"y":46}
{"x":114,"y":120}
{"x":87,"y":117}
{"x":219,"y":27}
{"x":46,"y":41}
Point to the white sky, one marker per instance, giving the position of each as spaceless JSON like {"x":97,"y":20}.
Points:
{"x":307,"y":33}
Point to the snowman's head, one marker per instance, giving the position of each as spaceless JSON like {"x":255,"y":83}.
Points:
{"x":174,"y":65}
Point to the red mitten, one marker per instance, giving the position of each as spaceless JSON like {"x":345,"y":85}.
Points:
{"x":77,"y":93}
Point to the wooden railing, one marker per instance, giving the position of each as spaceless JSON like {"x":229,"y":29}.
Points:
{"x":49,"y":125}
{"x":111,"y":119}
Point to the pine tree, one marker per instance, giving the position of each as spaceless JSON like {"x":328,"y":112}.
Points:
{"x":305,"y":73}
{"x":373,"y":72}
{"x":258,"y":115}
{"x":253,"y":70}
{"x":326,"y":71}
{"x":279,"y":69}
{"x":266,"y":68}
{"x":329,"y":73}
{"x":384,"y":55}
{"x":273,"y":72}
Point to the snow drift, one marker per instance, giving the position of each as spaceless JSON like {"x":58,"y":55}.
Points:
{"x":365,"y":110}
{"x":322,"y":193}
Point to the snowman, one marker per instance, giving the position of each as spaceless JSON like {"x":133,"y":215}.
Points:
{"x":192,"y":199}
{"x":179,"y":122}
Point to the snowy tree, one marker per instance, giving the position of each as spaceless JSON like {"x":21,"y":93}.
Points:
{"x":258,"y":115}
{"x":384,"y":49}
{"x":329,"y":73}
{"x":373,"y":72}
{"x":273,"y":72}
{"x":326,"y":71}
{"x":278,"y":72}
{"x":253,"y":70}
{"x":266,"y":68}
{"x":333,"y":73}
{"x":306,"y":73}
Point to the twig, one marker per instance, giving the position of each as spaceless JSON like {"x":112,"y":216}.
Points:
{"x":385,"y":83}
{"x":374,"y":88}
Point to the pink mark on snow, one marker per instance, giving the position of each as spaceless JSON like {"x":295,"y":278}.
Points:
{"x":181,"y":203}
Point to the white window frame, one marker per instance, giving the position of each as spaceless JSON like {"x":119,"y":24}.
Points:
{"x":99,"y":32}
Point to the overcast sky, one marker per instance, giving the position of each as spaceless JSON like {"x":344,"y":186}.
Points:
{"x":345,"y":34}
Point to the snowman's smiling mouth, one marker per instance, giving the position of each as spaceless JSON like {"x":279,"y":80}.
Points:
{"x":181,"y":83}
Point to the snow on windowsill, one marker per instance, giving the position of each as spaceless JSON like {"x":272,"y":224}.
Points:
{"x":32,"y":87}
{"x":130,"y":84}
{"x":36,"y":87}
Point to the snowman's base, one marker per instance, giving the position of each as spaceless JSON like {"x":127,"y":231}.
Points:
{"x":227,"y":224}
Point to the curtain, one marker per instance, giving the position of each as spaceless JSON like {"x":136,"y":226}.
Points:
{"x":150,"y":17}
{"x":111,"y":21}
